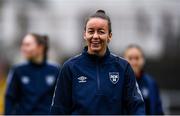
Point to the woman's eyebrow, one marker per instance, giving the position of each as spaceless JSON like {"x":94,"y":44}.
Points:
{"x":90,"y":28}
{"x":101,"y":29}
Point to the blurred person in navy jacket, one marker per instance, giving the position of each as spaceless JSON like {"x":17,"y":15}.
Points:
{"x":96,"y":81}
{"x":147,"y":84}
{"x":30,"y":85}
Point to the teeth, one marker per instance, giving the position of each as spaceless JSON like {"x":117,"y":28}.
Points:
{"x":95,"y":42}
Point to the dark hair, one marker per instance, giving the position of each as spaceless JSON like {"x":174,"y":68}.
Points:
{"x":42,"y":40}
{"x":134,"y":46}
{"x":99,"y":14}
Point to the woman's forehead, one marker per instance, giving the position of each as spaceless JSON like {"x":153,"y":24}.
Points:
{"x":28,"y":39}
{"x":133,"y":52}
{"x":97,"y":23}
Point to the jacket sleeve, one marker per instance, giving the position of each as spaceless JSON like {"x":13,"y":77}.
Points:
{"x":62,"y":100}
{"x":134,"y":103}
{"x":12,"y":92}
{"x":158,"y":105}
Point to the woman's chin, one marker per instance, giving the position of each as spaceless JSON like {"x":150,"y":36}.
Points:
{"x":96,"y":49}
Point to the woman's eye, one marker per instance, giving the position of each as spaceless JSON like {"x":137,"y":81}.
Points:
{"x":90,"y":32}
{"x":101,"y":32}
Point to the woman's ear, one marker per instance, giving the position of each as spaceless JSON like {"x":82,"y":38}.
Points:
{"x":110,"y":37}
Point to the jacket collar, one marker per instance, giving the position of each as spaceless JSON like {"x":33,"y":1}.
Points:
{"x":95,"y":57}
{"x":36,"y":64}
{"x":141,"y":75}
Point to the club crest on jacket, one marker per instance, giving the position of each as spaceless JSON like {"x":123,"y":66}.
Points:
{"x":114,"y":77}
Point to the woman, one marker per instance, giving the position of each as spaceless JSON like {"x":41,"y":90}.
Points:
{"x":31,"y":85}
{"x":97,"y":82}
{"x":147,"y":84}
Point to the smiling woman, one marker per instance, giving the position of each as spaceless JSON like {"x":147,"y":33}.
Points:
{"x":98,"y":33}
{"x":97,"y":82}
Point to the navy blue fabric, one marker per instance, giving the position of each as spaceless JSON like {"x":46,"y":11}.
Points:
{"x":84,"y":87}
{"x":150,"y":94}
{"x":30,"y":88}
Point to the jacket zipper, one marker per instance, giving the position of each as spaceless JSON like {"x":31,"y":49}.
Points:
{"x":98,"y":80}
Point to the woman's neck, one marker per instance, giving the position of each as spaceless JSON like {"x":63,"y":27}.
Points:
{"x":38,"y":60}
{"x":139,"y":74}
{"x":100,"y":53}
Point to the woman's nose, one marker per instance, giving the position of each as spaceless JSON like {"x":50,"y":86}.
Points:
{"x":95,"y":35}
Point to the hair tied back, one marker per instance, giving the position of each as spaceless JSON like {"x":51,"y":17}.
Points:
{"x":101,"y":11}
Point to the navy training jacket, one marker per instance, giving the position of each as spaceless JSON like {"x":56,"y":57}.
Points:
{"x":30,"y":88}
{"x":88,"y":84}
{"x":150,"y":94}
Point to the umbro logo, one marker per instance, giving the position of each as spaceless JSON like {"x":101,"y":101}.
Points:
{"x":82,"y":79}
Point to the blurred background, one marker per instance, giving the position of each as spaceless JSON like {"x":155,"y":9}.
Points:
{"x":152,"y":24}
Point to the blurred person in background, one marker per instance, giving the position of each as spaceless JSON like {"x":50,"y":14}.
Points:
{"x":2,"y":91}
{"x":30,"y":85}
{"x":3,"y":70}
{"x":97,"y":82}
{"x":135,"y":56}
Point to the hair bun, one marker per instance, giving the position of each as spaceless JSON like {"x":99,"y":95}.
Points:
{"x":101,"y":11}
